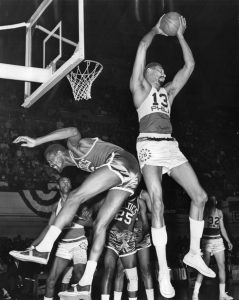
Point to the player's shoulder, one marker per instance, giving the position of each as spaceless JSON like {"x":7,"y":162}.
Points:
{"x":220,"y":213}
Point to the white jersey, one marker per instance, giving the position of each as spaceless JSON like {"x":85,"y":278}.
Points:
{"x":154,"y":113}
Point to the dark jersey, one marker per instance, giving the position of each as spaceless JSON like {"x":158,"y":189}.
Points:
{"x":97,"y":155}
{"x":126,"y":217}
{"x":212,"y":225}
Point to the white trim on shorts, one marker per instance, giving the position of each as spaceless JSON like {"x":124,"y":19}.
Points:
{"x":165,"y":154}
{"x":121,"y":255}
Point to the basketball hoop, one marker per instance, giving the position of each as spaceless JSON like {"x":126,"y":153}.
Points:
{"x":81,"y":80}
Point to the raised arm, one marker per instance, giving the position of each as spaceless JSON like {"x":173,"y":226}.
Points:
{"x":138,"y":84}
{"x":183,"y":74}
{"x":223,"y":231}
{"x":70,"y":133}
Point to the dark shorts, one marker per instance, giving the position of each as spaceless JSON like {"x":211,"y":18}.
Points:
{"x":126,"y":167}
{"x":143,"y":240}
{"x":121,"y":242}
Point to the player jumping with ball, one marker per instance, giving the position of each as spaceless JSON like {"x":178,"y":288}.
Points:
{"x":158,"y":151}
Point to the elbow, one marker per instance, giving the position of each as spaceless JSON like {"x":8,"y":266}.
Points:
{"x":190,"y":66}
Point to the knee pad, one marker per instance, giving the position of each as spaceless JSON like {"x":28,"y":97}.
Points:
{"x":159,"y":236}
{"x":132,"y":277}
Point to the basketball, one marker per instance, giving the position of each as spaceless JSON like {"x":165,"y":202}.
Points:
{"x":170,"y":23}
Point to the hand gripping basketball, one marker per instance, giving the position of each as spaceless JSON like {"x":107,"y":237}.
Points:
{"x":170,"y":23}
{"x":182,"y":26}
{"x":26,"y":141}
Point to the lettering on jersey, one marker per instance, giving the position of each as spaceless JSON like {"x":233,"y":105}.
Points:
{"x":127,"y":213}
{"x":213,"y":221}
{"x":160,"y":103}
{"x":84,"y":165}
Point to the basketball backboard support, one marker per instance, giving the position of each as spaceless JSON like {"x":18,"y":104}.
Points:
{"x":49,"y":73}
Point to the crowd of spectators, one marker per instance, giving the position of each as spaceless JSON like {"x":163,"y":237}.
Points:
{"x":209,"y":138}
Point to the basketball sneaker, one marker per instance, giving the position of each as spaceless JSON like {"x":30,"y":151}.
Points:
{"x":165,"y":286}
{"x":225,"y":297}
{"x":76,"y":290}
{"x":195,"y":261}
{"x":31,"y":255}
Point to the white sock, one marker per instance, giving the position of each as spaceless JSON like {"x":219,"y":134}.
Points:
{"x":222,"y":287}
{"x":117,"y":295}
{"x":159,"y":239}
{"x":197,"y":288}
{"x":88,"y":275}
{"x":196,"y":230}
{"x":47,"y":298}
{"x":150,"y":294}
{"x":105,"y":297}
{"x":49,"y":239}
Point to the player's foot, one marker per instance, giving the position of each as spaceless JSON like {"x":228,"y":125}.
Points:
{"x":76,"y":290}
{"x":31,"y":255}
{"x":165,"y":286}
{"x":195,"y":261}
{"x":225,"y":297}
{"x":195,"y":296}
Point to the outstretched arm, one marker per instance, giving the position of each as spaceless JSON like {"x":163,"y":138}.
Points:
{"x":182,"y":75}
{"x":70,"y":133}
{"x":224,"y":232}
{"x":137,"y":81}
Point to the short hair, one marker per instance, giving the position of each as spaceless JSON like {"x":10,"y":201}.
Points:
{"x":64,"y":178}
{"x":53,"y":149}
{"x":152,"y":65}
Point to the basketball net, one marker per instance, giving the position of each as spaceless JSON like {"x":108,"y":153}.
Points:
{"x":81,"y":80}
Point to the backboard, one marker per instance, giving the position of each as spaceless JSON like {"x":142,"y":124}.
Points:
{"x":54,"y":46}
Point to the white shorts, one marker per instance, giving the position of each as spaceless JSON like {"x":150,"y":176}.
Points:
{"x":213,"y":245}
{"x":73,"y":250}
{"x":159,"y":150}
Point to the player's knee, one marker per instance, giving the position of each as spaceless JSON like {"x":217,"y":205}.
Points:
{"x":201,"y":198}
{"x":158,"y":206}
{"x":50,"y":282}
{"x":99,"y":227}
{"x":132,"y":277}
{"x":221,"y":265}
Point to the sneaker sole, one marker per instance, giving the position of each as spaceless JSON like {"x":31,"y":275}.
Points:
{"x":82,"y":297}
{"x":75,"y":296}
{"x":22,"y":257}
{"x":167,"y":295}
{"x":198,"y":269}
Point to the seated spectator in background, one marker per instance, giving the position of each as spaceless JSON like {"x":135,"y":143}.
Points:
{"x":9,"y":279}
